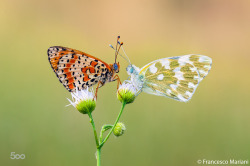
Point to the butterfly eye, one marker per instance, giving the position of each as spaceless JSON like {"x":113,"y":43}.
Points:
{"x":131,"y":70}
{"x":115,"y":66}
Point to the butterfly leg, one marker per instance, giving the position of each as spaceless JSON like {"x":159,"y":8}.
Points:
{"x":116,"y":77}
{"x":96,"y":90}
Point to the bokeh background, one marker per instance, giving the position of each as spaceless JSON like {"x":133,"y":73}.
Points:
{"x":34,"y":121}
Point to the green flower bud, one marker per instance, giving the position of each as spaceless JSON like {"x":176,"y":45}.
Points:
{"x":86,"y":106}
{"x":126,"y":93}
{"x":126,"y":96}
{"x":119,"y":129}
{"x":83,"y":101}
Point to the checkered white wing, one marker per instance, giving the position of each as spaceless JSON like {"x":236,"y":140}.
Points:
{"x":175,"y":77}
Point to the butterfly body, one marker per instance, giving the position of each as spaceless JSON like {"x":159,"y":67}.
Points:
{"x":79,"y":70}
{"x":136,"y":79}
{"x":175,"y":77}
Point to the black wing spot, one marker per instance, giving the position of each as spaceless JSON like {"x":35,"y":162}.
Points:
{"x":68,"y":60}
{"x":102,"y":65}
{"x":49,"y":51}
{"x":96,"y":75}
{"x":96,"y":60}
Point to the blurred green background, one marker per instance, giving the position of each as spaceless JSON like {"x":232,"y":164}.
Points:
{"x":34,"y":121}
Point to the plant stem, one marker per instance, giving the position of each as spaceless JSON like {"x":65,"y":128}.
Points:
{"x":104,"y":128}
{"x":93,"y":125}
{"x":98,"y":152}
{"x":117,"y":119}
{"x":98,"y":156}
{"x":100,"y":144}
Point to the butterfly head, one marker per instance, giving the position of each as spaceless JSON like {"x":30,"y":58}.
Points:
{"x":115,"y":67}
{"x":132,"y":69}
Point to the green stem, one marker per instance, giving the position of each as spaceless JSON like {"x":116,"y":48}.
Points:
{"x":117,"y":119}
{"x":100,"y":138}
{"x":98,"y":156}
{"x":93,"y":125}
{"x":98,"y":152}
{"x":104,"y":128}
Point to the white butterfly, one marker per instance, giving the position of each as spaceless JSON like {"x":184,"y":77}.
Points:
{"x":175,"y":77}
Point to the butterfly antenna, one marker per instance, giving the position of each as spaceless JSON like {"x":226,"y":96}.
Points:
{"x":118,"y":37}
{"x":119,"y":53}
{"x":120,"y":44}
{"x":126,"y":55}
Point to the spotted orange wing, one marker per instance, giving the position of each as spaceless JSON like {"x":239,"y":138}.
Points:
{"x":76,"y":69}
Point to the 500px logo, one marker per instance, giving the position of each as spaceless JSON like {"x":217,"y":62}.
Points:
{"x":16,"y":156}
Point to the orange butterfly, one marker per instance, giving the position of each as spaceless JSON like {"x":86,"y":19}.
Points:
{"x":77,"y":70}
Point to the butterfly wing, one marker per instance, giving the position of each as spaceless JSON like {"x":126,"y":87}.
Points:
{"x":176,"y":77}
{"x":76,"y":69}
{"x":202,"y":63}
